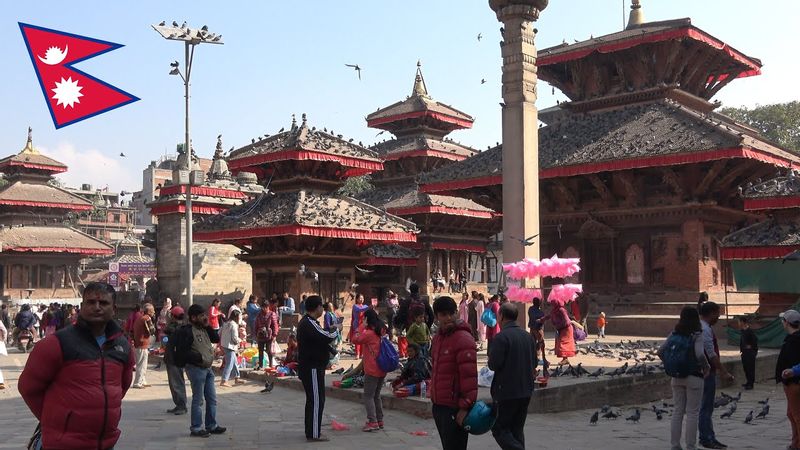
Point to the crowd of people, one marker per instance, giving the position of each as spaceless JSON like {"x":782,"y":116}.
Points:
{"x":90,"y":362}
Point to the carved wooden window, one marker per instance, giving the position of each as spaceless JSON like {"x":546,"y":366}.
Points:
{"x":634,"y":264}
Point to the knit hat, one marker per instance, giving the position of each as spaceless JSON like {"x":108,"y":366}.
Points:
{"x":176,"y":311}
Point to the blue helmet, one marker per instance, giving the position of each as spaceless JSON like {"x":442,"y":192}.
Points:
{"x":480,"y":418}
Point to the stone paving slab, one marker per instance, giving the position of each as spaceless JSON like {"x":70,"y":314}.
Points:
{"x":274,"y":420}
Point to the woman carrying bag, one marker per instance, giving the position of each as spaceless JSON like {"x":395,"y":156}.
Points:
{"x":685,"y":361}
{"x":229,"y":340}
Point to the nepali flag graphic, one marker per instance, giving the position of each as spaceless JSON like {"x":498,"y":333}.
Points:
{"x":72,"y":95}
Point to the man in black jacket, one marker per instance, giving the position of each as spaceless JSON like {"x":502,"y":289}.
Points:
{"x":409,"y":308}
{"x":513,"y":360}
{"x":193,"y":350}
{"x":313,"y":345}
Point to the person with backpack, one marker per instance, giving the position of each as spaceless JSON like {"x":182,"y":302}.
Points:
{"x":408,"y":307}
{"x":368,"y":336}
{"x":266,"y":332}
{"x":685,"y":361}
{"x":194,"y":350}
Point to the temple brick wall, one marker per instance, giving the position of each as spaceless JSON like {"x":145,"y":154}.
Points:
{"x":217,"y":271}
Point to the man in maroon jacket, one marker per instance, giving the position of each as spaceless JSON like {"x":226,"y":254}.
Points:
{"x":454,"y":379}
{"x":74,"y":380}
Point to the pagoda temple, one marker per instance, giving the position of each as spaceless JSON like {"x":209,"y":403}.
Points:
{"x":638,"y":174}
{"x":300,"y":236}
{"x":39,"y":252}
{"x":765,"y":256}
{"x":217,"y":271}
{"x":454,"y":232}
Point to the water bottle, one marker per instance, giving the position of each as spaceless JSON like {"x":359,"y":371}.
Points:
{"x":423,"y":389}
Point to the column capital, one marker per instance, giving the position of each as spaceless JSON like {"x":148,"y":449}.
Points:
{"x":510,"y":9}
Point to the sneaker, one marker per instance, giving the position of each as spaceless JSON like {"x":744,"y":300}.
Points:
{"x":179,"y":412}
{"x":371,"y":426}
{"x":719,"y":444}
{"x":380,"y":424}
{"x":715,"y":445}
{"x":321,"y":438}
{"x":217,"y":430}
{"x":172,"y":411}
{"x":200,"y":433}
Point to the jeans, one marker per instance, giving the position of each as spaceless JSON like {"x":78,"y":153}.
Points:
{"x":202,"y":380}
{"x":229,"y":365}
{"x":508,"y":429}
{"x":177,"y":385}
{"x":372,"y":398}
{"x":705,"y":424}
{"x":453,"y":437}
{"x":686,"y":394}
{"x":141,"y":367}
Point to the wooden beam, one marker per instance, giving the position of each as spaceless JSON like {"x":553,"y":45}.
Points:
{"x":671,"y":179}
{"x":627,"y":182}
{"x":602,"y":189}
{"x":569,"y":202}
{"x":711,"y":175}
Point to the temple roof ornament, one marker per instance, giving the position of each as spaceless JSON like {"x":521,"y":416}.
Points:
{"x":636,"y":17}
{"x":420,"y":89}
{"x":781,"y":186}
{"x":219,"y":168}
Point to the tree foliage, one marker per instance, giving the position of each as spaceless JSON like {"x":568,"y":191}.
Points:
{"x":356,"y":185}
{"x":779,"y":122}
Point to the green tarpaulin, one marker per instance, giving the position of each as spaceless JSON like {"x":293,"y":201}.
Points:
{"x":766,"y":275}
{"x":769,"y":336}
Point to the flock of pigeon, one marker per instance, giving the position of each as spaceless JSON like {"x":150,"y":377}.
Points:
{"x":642,"y":353}
{"x":607,"y":412}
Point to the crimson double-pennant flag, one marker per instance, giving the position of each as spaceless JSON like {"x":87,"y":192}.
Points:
{"x":72,"y":95}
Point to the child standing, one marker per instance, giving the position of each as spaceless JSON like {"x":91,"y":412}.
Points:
{"x":419,"y":333}
{"x":368,"y":335}
{"x":601,"y":325}
{"x":748,"y":346}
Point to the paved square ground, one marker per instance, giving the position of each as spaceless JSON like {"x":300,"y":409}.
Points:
{"x":274,"y":420}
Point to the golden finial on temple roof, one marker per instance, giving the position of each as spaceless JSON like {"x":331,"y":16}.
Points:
{"x":420,"y":89}
{"x":636,"y":17}
{"x":29,"y":145}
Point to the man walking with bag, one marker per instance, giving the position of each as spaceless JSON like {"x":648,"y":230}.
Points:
{"x":512,"y":357}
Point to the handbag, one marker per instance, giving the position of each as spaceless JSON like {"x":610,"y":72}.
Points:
{"x":274,"y":347}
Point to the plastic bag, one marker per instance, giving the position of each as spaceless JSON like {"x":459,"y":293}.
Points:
{"x":336,"y":426}
{"x":418,"y":433}
{"x":485,"y":377}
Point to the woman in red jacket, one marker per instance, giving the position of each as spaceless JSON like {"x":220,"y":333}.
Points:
{"x":368,"y":336}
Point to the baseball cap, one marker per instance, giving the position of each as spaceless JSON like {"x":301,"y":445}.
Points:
{"x":176,"y":311}
{"x":791,"y":316}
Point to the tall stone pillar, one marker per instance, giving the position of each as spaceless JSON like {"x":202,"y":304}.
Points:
{"x":520,"y":127}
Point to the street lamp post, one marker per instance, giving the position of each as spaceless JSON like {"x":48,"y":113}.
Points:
{"x":186,"y":175}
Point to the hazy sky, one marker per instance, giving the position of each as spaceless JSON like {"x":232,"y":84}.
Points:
{"x":288,"y":57}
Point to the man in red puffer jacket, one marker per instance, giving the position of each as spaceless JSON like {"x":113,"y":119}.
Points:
{"x":454,"y":378}
{"x":74,"y":380}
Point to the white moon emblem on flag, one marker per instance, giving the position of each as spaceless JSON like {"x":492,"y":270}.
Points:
{"x":54,"y":55}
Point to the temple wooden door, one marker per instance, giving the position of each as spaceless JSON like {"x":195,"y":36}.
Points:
{"x":599,"y":266}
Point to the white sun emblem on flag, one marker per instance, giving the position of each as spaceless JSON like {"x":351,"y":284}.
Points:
{"x":67,"y":92}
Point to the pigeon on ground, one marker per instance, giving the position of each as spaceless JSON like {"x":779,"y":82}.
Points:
{"x":764,"y":402}
{"x":596,"y":373}
{"x":749,"y":417}
{"x":635,"y":416}
{"x":605,"y":409}
{"x":610,"y":415}
{"x":763,"y":413}
{"x":658,"y":415}
{"x":593,"y":419}
{"x":727,"y":414}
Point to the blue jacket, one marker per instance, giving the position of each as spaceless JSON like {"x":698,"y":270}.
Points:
{"x":24,"y":320}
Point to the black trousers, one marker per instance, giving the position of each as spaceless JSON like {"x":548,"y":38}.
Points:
{"x":265,"y":347}
{"x":452,"y":435}
{"x":314,"y":384}
{"x":508,"y":429}
{"x":749,"y":365}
